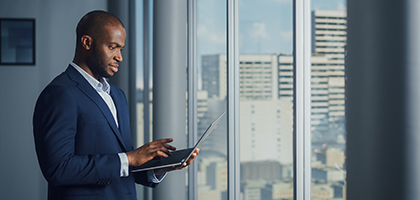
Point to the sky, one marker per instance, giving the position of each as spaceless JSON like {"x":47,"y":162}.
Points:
{"x":265,"y":26}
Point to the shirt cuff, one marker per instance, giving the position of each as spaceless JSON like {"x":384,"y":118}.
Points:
{"x":153,"y":178}
{"x":124,"y":165}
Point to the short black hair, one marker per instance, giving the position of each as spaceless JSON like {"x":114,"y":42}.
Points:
{"x":92,"y":23}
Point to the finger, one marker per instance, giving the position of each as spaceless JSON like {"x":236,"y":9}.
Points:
{"x":156,"y":153}
{"x":169,"y":147}
{"x":165,"y":140}
{"x":162,"y":154}
{"x":156,"y":158}
{"x":191,"y":159}
{"x":165,"y":150}
{"x":152,"y":149}
{"x":181,"y":167}
{"x":193,"y":156}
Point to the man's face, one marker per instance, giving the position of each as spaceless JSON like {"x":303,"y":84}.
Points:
{"x":105,"y":54}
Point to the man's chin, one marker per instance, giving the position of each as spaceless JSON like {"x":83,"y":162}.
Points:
{"x":109,"y":74}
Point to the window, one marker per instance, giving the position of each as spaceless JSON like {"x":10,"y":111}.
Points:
{"x":328,"y":113}
{"x":266,"y":152}
{"x":212,"y":175}
{"x":268,"y":102}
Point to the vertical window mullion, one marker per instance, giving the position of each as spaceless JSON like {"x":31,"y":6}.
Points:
{"x":302,"y":99}
{"x":146,"y":70}
{"x":233,"y":99}
{"x":146,"y":86}
{"x":192,"y":94}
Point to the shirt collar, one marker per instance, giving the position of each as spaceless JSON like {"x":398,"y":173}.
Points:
{"x":100,"y":86}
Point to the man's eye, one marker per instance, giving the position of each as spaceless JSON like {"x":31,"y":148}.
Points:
{"x":112,"y":48}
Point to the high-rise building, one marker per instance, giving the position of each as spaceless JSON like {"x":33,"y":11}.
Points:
{"x":285,"y":76}
{"x":266,"y":107}
{"x":329,"y":39}
{"x":256,"y":190}
{"x":269,"y":171}
{"x":258,"y":79}
{"x":283,"y":190}
{"x":258,"y":76}
{"x":267,"y":131}
{"x":320,"y":94}
{"x":214,"y":75}
{"x":327,"y":90}
{"x":212,"y":177}
{"x":266,"y":121}
{"x":329,"y":33}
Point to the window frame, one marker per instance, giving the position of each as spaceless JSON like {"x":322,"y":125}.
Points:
{"x":302,"y":95}
{"x":302,"y":98}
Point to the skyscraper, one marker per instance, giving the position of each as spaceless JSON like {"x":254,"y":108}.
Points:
{"x":214,"y":75}
{"x":329,"y":39}
{"x":266,"y":121}
{"x":258,"y":76}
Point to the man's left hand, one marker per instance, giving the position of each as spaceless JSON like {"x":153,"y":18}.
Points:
{"x":185,"y":164}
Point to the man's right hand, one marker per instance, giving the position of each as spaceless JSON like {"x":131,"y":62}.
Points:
{"x":155,"y":149}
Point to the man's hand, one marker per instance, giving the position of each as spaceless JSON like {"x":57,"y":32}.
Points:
{"x":188,"y":162}
{"x":155,"y":149}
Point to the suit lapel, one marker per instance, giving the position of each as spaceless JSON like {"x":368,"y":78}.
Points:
{"x":89,"y":91}
{"x":120,"y":105}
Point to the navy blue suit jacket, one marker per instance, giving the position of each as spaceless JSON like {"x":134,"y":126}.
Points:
{"x":77,"y":141}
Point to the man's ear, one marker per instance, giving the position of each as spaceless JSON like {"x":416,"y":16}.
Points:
{"x":86,"y":42}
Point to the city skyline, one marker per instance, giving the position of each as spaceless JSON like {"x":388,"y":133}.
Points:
{"x":263,"y":130}
{"x":266,"y":33}
{"x":266,"y":103}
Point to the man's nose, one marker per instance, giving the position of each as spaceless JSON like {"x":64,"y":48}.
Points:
{"x":119,"y":57}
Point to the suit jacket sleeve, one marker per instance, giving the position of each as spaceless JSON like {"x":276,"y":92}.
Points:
{"x":139,"y":178}
{"x":55,"y":127}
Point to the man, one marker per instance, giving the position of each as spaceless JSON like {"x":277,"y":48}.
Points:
{"x":81,"y":122}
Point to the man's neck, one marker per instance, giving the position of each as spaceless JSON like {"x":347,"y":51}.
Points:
{"x":84,"y":66}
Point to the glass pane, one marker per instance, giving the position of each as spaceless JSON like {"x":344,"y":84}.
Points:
{"x":329,"y":37}
{"x":140,"y":79}
{"x":139,"y":73}
{"x":266,"y":99}
{"x":142,"y":192}
{"x":211,"y":98}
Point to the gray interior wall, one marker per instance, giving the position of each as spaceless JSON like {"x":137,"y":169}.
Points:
{"x":383,"y":100}
{"x":20,"y":86}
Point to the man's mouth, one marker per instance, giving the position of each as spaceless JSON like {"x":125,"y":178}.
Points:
{"x":114,"y":68}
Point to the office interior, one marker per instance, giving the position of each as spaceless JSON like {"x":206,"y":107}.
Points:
{"x":382,"y":94}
